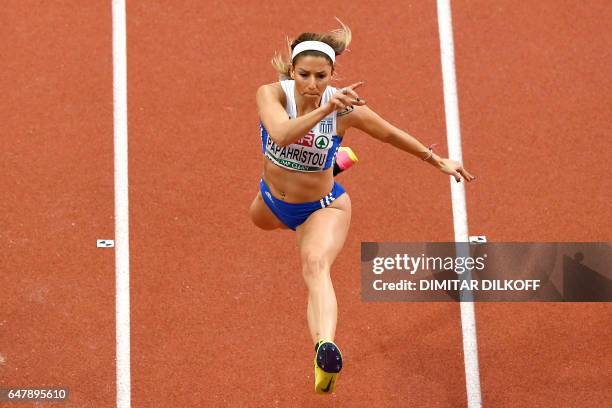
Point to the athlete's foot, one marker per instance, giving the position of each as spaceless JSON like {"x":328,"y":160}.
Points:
{"x":345,"y":158}
{"x":327,"y":365}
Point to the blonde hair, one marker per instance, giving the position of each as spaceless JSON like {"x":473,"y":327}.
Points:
{"x":339,"y":39}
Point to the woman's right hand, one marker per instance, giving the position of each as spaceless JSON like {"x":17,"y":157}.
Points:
{"x":345,"y":97}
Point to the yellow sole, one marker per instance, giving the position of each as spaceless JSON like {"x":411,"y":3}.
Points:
{"x":325,"y":382}
{"x":350,"y":152}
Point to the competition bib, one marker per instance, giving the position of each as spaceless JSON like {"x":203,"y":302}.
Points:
{"x":315,"y":151}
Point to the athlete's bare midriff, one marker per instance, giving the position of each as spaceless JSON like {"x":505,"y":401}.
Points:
{"x":296,"y":186}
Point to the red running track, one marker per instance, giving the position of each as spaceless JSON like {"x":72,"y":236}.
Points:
{"x":213,"y":297}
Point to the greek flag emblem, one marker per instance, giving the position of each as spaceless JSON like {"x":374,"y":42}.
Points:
{"x":326,"y":126}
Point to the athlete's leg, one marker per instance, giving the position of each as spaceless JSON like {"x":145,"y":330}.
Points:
{"x":262,"y":216}
{"x":320,"y":239}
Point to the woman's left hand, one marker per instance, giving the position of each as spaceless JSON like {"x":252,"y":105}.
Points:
{"x":454,"y":169}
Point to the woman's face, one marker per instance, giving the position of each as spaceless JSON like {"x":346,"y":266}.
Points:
{"x":312,"y":75}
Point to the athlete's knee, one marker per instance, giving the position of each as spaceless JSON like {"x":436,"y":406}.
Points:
{"x":314,"y":265}
{"x":259,"y":218}
{"x":253,"y":213}
{"x":259,"y":222}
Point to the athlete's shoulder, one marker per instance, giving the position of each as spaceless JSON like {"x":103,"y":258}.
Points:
{"x":272,"y":88}
{"x":271,"y":105}
{"x":270,"y":92}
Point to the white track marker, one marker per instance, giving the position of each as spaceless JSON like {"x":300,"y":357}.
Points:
{"x":122,"y":236}
{"x":105,"y":243}
{"x":451,"y":109}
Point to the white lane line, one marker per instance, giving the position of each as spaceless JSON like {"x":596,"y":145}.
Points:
{"x":122,"y":236}
{"x":453,"y":135}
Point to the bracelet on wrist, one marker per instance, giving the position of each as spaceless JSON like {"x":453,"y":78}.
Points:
{"x":430,"y":152}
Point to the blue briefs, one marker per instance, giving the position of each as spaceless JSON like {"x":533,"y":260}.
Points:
{"x":293,"y":215}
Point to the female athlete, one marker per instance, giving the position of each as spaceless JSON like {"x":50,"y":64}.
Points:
{"x":303,"y":121}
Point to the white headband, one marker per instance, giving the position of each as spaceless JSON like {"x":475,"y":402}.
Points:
{"x":314,"y":46}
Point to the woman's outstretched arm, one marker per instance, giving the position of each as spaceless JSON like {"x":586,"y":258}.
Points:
{"x":365,"y":119}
